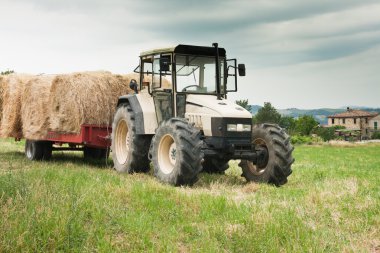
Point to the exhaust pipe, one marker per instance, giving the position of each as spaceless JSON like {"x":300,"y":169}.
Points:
{"x":217,"y":70}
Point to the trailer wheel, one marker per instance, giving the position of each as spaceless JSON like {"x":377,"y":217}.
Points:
{"x":129,"y":150}
{"x":274,"y":165}
{"x":215,"y":166}
{"x":95,"y":153}
{"x":34,"y":150}
{"x":177,"y":152}
{"x":48,"y":150}
{"x":38,"y":150}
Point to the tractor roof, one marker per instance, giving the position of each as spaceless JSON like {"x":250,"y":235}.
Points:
{"x":186,"y":49}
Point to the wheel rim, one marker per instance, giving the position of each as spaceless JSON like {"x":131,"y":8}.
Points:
{"x":259,"y":169}
{"x":29,"y":150}
{"x":122,"y":140}
{"x":167,"y":154}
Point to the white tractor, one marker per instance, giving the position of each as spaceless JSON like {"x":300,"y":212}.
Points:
{"x":180,"y":120}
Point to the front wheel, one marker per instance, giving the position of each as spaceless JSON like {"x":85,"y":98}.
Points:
{"x":129,"y":150}
{"x":176,"y":152}
{"x":275,"y":160}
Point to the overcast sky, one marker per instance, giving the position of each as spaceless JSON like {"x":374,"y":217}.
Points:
{"x":298,"y":53}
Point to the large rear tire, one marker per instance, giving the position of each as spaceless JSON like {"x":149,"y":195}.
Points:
{"x":275,"y":165}
{"x":176,"y":152}
{"x":129,"y":150}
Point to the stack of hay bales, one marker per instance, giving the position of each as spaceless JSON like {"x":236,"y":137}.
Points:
{"x":35,"y":109}
{"x":12,"y":88}
{"x":85,"y":98}
{"x":31,"y":106}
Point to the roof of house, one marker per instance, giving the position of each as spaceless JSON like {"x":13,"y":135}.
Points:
{"x":351,"y":113}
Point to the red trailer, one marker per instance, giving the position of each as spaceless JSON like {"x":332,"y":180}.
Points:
{"x":93,"y":140}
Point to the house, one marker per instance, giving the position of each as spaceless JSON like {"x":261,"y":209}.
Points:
{"x":359,"y":121}
{"x":374,"y":123}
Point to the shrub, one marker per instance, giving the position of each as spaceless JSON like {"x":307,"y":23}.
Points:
{"x":301,"y":139}
{"x":6,"y":72}
{"x":327,"y":133}
{"x":376,"y":135}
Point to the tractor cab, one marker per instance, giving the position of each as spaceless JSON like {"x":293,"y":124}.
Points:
{"x":170,"y":75}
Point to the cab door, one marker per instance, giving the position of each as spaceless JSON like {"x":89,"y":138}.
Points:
{"x":162,"y":87}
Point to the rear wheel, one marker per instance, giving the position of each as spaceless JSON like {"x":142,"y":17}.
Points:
{"x":177,"y":152}
{"x":129,"y":150}
{"x":214,"y":165}
{"x":274,"y":163}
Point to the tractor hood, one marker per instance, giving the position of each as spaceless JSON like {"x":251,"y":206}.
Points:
{"x":206,"y":104}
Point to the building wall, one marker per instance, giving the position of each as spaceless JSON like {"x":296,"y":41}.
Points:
{"x":372,"y":121}
{"x":349,"y":123}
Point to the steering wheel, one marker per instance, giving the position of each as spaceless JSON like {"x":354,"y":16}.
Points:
{"x":189,"y":86}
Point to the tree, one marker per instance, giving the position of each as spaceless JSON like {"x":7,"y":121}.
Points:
{"x":267,"y":114}
{"x":326,"y":133}
{"x":289,"y":123}
{"x":244,"y":103}
{"x":6,"y":72}
{"x":305,"y":124}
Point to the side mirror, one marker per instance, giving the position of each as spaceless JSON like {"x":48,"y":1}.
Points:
{"x":241,"y":69}
{"x":133,"y":86}
{"x":164,"y":64}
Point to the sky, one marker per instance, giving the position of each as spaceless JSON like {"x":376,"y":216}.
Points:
{"x":298,"y":53}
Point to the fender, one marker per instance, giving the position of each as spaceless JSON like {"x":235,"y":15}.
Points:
{"x":137,"y":111}
{"x":144,"y":112}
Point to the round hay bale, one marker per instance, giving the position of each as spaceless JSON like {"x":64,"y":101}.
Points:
{"x":84,"y":98}
{"x":166,"y":84}
{"x":1,"y":98}
{"x":13,"y":86}
{"x":35,"y":109}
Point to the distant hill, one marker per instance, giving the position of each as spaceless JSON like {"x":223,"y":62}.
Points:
{"x":319,"y":114}
{"x":255,"y":109}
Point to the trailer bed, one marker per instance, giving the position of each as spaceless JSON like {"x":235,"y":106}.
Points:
{"x":90,"y":135}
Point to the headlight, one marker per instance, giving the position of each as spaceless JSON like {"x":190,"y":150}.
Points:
{"x":239,"y":127}
{"x":247,"y":128}
{"x":231,"y":127}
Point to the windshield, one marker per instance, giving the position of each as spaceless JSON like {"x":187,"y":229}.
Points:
{"x":197,"y":74}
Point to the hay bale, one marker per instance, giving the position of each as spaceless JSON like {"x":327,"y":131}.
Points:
{"x":1,"y":98}
{"x":166,"y":84}
{"x":84,"y":98}
{"x":13,"y":86}
{"x":35,"y":109}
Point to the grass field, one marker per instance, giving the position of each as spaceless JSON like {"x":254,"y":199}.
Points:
{"x":331,"y":203}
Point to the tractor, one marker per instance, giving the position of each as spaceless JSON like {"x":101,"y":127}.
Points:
{"x":179,"y":119}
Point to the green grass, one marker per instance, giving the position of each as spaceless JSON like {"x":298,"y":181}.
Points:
{"x":331,"y":203}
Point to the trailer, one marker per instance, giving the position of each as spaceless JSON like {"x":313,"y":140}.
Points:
{"x":93,"y":140}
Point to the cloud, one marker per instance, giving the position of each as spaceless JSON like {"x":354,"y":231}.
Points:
{"x":278,"y":40}
{"x":315,"y":38}
{"x":332,"y":83}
